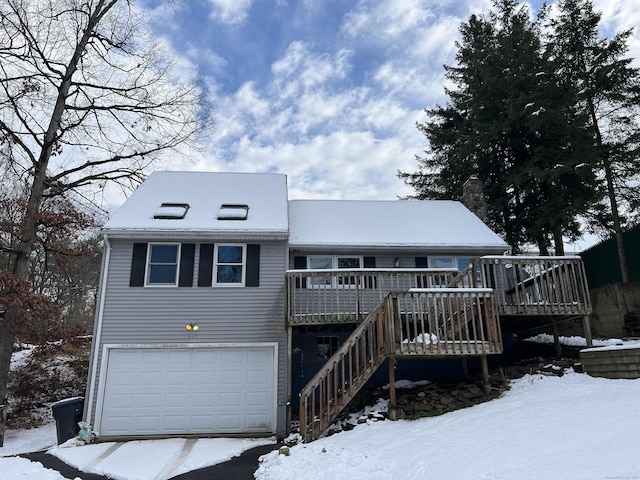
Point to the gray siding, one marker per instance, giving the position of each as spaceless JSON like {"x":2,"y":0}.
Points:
{"x":158,"y":315}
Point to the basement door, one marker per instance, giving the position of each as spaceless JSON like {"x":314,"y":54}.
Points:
{"x":178,"y":391}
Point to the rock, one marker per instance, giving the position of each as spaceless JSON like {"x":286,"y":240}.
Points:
{"x":284,"y":450}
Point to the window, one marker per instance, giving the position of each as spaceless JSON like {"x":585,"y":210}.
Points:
{"x":326,"y":346}
{"x":172,"y":211}
{"x":327,"y":262}
{"x":229,"y":264}
{"x":451,"y":262}
{"x":233,"y":211}
{"x":162,"y":264}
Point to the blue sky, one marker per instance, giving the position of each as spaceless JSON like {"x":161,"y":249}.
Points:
{"x":326,"y":91}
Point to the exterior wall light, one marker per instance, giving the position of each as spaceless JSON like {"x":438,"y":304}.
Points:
{"x":396,"y":262}
{"x":192,"y":327}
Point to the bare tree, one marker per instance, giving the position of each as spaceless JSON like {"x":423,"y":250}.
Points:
{"x":86,"y":97}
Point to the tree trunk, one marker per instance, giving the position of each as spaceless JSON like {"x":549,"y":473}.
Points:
{"x":611,"y":193}
{"x":29,"y":224}
{"x":617,"y":225}
{"x":557,"y":240}
{"x":7,"y":335}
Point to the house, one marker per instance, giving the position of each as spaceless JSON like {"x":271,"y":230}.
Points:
{"x":216,"y":290}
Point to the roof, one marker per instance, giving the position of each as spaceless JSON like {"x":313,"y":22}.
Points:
{"x":424,"y":224}
{"x":255,"y":204}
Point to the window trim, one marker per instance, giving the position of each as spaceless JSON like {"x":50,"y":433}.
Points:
{"x":147,"y":270}
{"x":214,"y":273}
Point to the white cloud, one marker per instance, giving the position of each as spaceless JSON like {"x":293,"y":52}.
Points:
{"x":230,"y":11}
{"x":385,"y":20}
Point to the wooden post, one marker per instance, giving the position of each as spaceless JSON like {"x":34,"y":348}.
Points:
{"x":395,"y":413}
{"x":465,"y":367}
{"x":586,"y":322}
{"x":556,"y":338}
{"x":486,"y":385}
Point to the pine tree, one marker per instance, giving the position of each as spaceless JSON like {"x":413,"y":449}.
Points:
{"x":607,"y":91}
{"x":508,"y":121}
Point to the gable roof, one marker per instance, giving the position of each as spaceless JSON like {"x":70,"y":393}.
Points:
{"x":424,"y":224}
{"x":204,"y":203}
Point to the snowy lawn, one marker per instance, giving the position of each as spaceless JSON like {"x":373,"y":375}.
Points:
{"x":571,"y":427}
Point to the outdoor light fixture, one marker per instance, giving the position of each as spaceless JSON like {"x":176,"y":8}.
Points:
{"x":396,"y":262}
{"x":192,"y":327}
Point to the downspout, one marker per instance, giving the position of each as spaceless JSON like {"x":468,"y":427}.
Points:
{"x":97,"y":331}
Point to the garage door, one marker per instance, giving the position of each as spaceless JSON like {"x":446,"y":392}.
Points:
{"x":175,"y":391}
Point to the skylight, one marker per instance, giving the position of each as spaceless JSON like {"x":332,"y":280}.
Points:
{"x":233,"y":211}
{"x":171,"y":211}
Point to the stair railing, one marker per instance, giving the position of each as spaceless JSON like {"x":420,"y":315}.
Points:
{"x":344,"y":374}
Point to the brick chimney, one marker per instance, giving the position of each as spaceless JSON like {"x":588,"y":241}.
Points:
{"x":473,"y":197}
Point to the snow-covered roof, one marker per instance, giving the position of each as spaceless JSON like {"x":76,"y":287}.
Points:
{"x":189,"y":203}
{"x":429,"y":224}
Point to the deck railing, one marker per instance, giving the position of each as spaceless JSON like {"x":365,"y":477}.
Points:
{"x":528,"y":285}
{"x":430,"y":322}
{"x":446,"y":321}
{"x":348,"y":295}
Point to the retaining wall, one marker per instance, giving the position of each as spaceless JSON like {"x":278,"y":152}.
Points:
{"x":611,"y":362}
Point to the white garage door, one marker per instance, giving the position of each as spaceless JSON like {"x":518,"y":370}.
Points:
{"x":173,"y":391}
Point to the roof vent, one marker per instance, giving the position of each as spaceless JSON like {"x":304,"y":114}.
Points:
{"x":171,"y":211}
{"x":233,"y":211}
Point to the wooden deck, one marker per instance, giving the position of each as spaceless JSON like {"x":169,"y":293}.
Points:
{"x":427,"y":313}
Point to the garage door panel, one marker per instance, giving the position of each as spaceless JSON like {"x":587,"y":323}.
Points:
{"x":259,"y":377}
{"x":219,"y":390}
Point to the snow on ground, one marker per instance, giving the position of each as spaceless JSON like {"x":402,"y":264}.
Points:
{"x":31,"y":440}
{"x":571,"y":427}
{"x":15,"y":468}
{"x":172,"y":456}
{"x":582,"y":342}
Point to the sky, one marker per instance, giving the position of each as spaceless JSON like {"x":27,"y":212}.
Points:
{"x":573,"y":427}
{"x":325,"y":91}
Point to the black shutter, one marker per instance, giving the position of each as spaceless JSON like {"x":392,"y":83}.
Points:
{"x":205,"y":267}
{"x":300,"y":263}
{"x":187,"y":251}
{"x":370,"y":262}
{"x":138,"y":264}
{"x":422,"y":262}
{"x":253,"y":265}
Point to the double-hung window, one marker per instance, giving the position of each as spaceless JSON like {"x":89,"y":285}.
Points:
{"x":162,"y":264}
{"x":229,"y":264}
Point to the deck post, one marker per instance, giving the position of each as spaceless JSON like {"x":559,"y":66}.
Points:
{"x":586,"y":325}
{"x":486,"y":384}
{"x":395,"y":413}
{"x":465,"y":367}
{"x":556,"y":338}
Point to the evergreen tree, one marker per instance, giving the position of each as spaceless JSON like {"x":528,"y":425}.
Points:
{"x":607,"y":91}
{"x":508,"y":120}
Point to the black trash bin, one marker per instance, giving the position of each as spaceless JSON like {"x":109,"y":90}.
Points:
{"x":67,"y":413}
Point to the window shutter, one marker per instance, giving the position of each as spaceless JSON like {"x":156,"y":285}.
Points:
{"x":300,"y":263}
{"x":253,"y":265}
{"x":370,"y":262}
{"x":187,"y":251}
{"x":138,"y":265}
{"x":205,"y":266}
